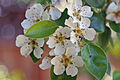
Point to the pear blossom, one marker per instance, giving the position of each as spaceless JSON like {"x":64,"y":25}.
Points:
{"x":38,"y":13}
{"x":46,"y":63}
{"x":77,"y":33}
{"x":113,"y":12}
{"x":28,"y":45}
{"x":34,"y":14}
{"x":60,"y":40}
{"x":69,"y":62}
{"x":79,"y":13}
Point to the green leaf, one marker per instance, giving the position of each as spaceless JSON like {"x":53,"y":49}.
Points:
{"x":62,"y":19}
{"x":108,"y":68}
{"x":42,"y":29}
{"x":44,"y":2}
{"x":116,"y":75}
{"x":97,"y":22}
{"x":104,"y":38}
{"x":95,"y":60}
{"x":64,"y":76}
{"x":115,"y":27}
{"x":96,"y":3}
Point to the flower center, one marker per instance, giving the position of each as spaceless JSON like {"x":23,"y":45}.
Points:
{"x":37,"y":20}
{"x":77,"y":14}
{"x":78,"y":32}
{"x":60,"y":38}
{"x":66,"y":60}
{"x":33,"y":42}
{"x":117,"y":14}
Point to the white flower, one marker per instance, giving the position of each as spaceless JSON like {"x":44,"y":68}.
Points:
{"x":46,"y":63}
{"x":113,"y":12}
{"x":79,"y":13}
{"x":77,"y":33}
{"x":34,"y":14}
{"x":60,"y":40}
{"x":70,"y":62}
{"x":28,"y":45}
{"x":38,"y":13}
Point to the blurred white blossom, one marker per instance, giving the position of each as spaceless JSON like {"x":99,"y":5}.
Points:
{"x":79,"y":13}
{"x":113,"y":12}
{"x":34,"y":14}
{"x":60,"y":40}
{"x":78,"y":34}
{"x":70,"y":61}
{"x":28,"y":45}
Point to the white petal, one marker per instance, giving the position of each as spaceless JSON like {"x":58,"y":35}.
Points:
{"x":56,"y":60}
{"x":71,"y":70}
{"x":45,"y":15}
{"x":117,"y":20}
{"x":26,"y":50}
{"x":55,"y":13}
{"x":78,"y":4}
{"x":58,"y":31}
{"x":89,"y":33}
{"x":73,"y":38}
{"x":77,"y":61}
{"x":111,"y":17}
{"x":85,"y":23}
{"x":27,"y":23}
{"x":68,"y":43}
{"x":21,"y":40}
{"x":59,"y":49}
{"x":86,"y":11}
{"x":38,"y":52}
{"x":69,"y":22}
{"x":52,"y":53}
{"x":59,"y":69}
{"x":40,"y":42}
{"x":75,"y":19}
{"x":60,"y":4}
{"x":51,"y":42}
{"x":71,"y":51}
{"x":70,"y":8}
{"x":112,"y":7}
{"x":46,"y":63}
{"x":66,"y":32}
{"x":77,"y":48}
{"x":34,"y":12}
